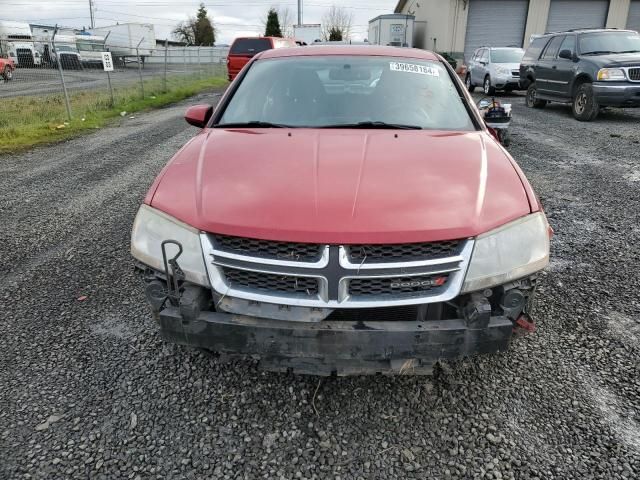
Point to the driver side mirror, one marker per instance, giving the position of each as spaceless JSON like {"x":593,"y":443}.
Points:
{"x":566,"y":54}
{"x":198,"y":115}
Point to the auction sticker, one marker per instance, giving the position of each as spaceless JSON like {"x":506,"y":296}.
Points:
{"x":414,"y":68}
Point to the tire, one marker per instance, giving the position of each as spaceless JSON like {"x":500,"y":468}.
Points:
{"x":487,"y":87}
{"x":504,"y":137}
{"x":467,"y":81}
{"x":584,"y":105}
{"x":7,"y":73}
{"x":532,"y":101}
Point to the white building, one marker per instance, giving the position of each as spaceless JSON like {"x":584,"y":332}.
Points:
{"x":395,"y":29}
{"x":461,"y":26}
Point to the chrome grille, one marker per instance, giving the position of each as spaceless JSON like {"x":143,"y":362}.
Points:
{"x":634,"y":74}
{"x":303,"y":252}
{"x":402,"y":251}
{"x":396,"y":285}
{"x":267,"y":282}
{"x":365,"y":276}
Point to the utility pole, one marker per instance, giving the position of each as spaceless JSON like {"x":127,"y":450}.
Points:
{"x":91,"y":13}
{"x":299,"y":12}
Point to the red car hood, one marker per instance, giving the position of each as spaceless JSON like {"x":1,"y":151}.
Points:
{"x":342,"y":186}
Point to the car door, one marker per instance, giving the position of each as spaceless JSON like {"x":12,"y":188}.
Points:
{"x":481,"y":66}
{"x":546,"y":78}
{"x":565,"y":67}
{"x":473,"y":64}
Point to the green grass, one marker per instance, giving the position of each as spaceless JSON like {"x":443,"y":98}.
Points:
{"x":34,"y":120}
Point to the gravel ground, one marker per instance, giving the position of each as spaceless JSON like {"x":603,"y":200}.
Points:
{"x":89,"y":390}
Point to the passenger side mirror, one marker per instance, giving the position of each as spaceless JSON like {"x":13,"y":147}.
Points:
{"x":198,"y":115}
{"x":566,"y":54}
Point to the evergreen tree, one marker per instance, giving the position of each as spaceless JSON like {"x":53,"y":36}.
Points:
{"x":273,"y":24}
{"x":335,"y":34}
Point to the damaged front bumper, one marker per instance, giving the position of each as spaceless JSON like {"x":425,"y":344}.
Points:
{"x":338,"y":347}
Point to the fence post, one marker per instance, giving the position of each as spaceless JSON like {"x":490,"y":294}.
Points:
{"x":140,"y":67}
{"x":109,"y":75}
{"x":199,"y":72}
{"x":184,"y":57}
{"x":64,"y":85}
{"x":164,"y":79}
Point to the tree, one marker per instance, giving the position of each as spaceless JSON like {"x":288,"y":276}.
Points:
{"x":272,"y":29}
{"x":197,"y":31}
{"x":286,"y":22}
{"x":335,"y":34}
{"x":336,"y":24}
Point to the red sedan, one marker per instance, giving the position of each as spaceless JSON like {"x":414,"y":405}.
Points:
{"x":343,"y":210}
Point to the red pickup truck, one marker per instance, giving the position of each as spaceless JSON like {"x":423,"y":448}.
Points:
{"x":244,"y":49}
{"x":343,"y":210}
{"x":7,"y":66}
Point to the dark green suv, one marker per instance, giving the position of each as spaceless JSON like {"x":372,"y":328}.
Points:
{"x":587,"y":68}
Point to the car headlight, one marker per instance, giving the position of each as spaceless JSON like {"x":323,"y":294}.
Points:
{"x":507,"y":253}
{"x":611,"y":74}
{"x":151,"y":227}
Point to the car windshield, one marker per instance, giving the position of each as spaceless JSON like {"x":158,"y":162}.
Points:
{"x":507,"y":55}
{"x":609,"y":42}
{"x":90,"y":47}
{"x":348,"y":91}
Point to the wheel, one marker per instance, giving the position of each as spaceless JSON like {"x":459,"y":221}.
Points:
{"x":487,"y":87}
{"x":585,"y":106}
{"x":504,"y":137}
{"x":532,"y":101}
{"x":7,"y":73}
{"x":467,"y":81}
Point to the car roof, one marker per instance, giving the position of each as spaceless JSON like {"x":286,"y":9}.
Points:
{"x":261,"y":38}
{"x":589,"y":30}
{"x":356,"y":50}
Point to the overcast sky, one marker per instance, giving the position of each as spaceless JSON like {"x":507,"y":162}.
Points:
{"x":232,"y":17}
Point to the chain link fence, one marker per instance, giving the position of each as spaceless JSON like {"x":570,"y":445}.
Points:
{"x":49,"y":83}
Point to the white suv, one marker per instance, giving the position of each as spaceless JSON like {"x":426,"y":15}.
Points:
{"x":494,"y":69}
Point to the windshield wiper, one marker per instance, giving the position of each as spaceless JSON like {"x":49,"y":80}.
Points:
{"x":599,"y":52}
{"x":374,"y":124}
{"x":629,"y":51}
{"x":251,"y":124}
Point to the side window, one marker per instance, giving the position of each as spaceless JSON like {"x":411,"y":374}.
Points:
{"x":535,"y":48}
{"x":476,"y":55}
{"x":569,"y":43}
{"x":485,"y":55}
{"x":552,"y":49}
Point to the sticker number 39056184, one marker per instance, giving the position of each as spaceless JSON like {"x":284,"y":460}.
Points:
{"x":413,"y":68}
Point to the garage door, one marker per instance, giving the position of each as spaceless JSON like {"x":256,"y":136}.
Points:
{"x":495,"y":23}
{"x":633,"y":22}
{"x":568,"y":14}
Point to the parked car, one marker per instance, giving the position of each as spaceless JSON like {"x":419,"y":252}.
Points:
{"x":244,"y":48}
{"x":7,"y":66}
{"x":378,"y":227}
{"x":589,"y":69}
{"x":495,"y":69}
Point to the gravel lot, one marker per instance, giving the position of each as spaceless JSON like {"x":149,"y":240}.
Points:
{"x":89,"y":390}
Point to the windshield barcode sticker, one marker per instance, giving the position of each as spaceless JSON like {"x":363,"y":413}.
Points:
{"x":413,"y":68}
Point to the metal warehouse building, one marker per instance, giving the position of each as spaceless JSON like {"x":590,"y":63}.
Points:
{"x":461,"y":26}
